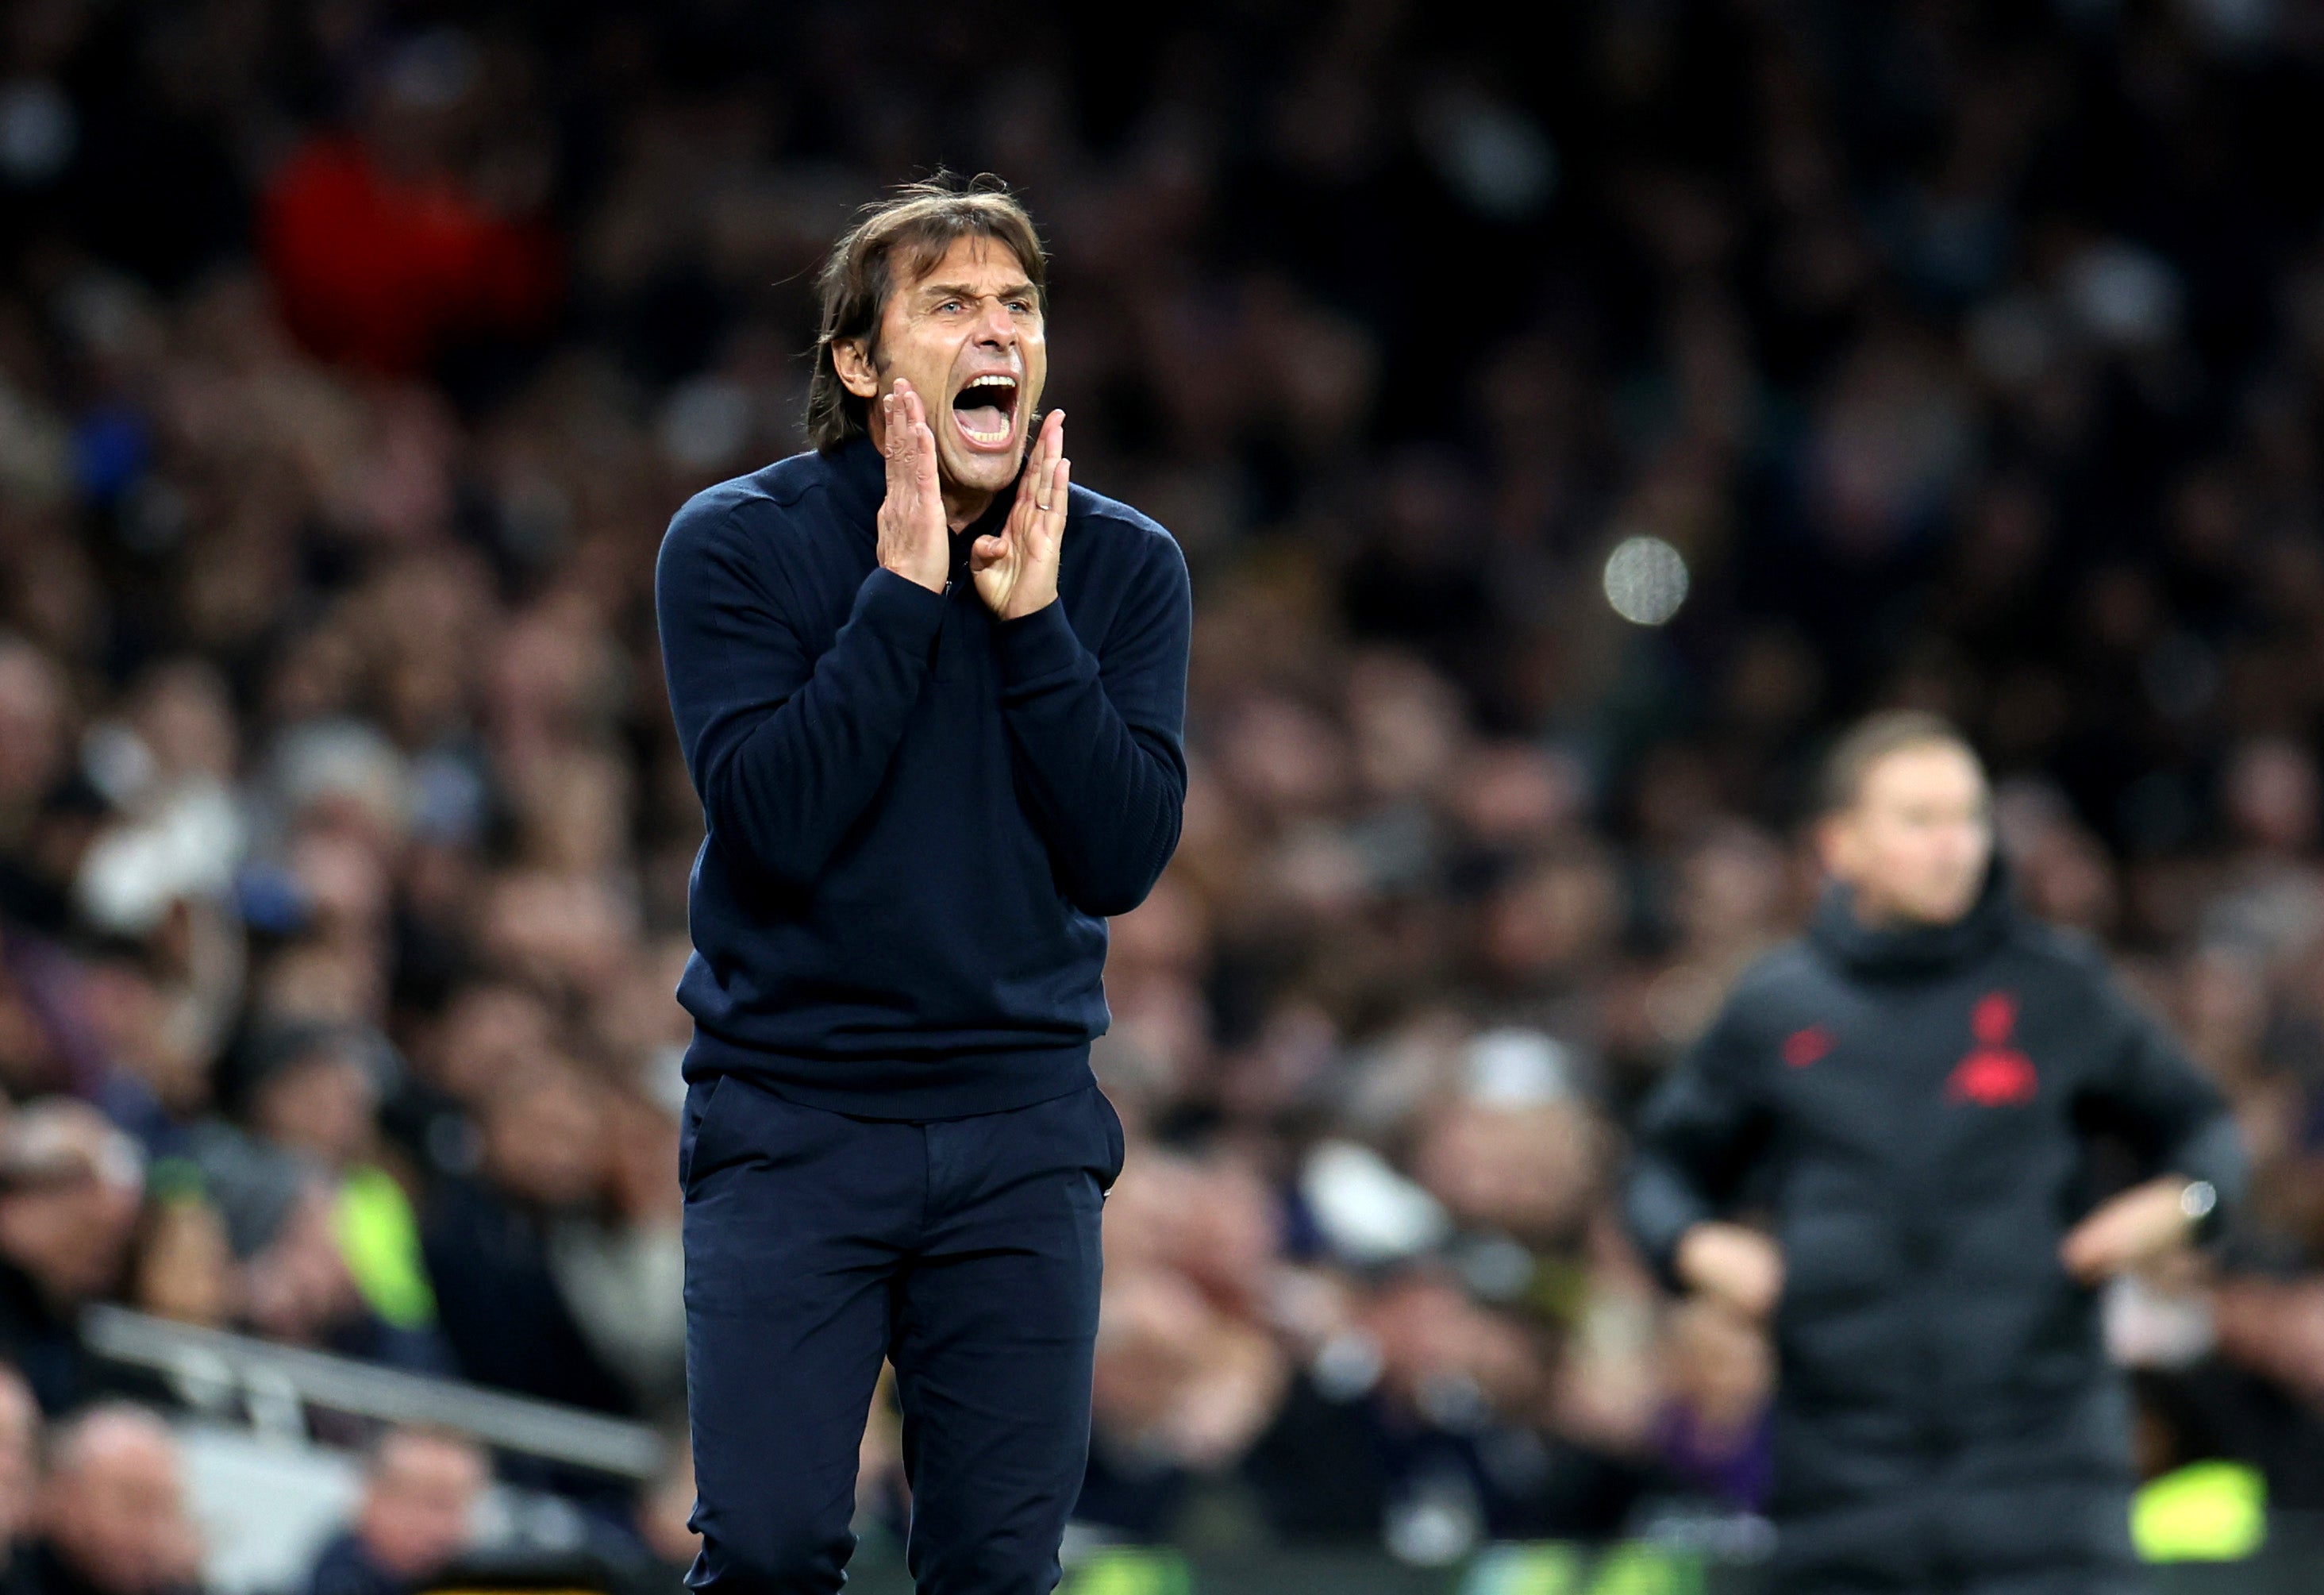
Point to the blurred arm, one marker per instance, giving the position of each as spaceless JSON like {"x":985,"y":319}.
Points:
{"x":2182,"y":1123}
{"x":785,"y":750}
{"x":1696,"y":1141}
{"x":2182,"y":1127}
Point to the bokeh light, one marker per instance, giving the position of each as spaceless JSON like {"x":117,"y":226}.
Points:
{"x":1646,"y":580}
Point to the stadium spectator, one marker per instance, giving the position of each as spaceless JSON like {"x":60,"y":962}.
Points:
{"x":48,"y":810}
{"x":417,"y":1515}
{"x":491,"y":1242}
{"x":664,"y":1525}
{"x":21,"y":1450}
{"x":70,"y":1188}
{"x":112,"y":1514}
{"x":381,"y":253}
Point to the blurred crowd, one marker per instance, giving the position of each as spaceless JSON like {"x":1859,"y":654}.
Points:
{"x":352,"y":358}
{"x":99,"y":1503}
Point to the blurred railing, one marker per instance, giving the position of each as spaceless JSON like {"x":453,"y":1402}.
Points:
{"x":273,"y":1386}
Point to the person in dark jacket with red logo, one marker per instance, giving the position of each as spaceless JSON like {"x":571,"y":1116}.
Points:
{"x":1912,"y":1095}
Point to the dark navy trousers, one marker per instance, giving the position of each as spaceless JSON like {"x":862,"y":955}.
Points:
{"x":965,"y":1251}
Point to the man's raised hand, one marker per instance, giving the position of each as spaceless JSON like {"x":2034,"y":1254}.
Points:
{"x":1737,"y":1267}
{"x":1016,"y":568}
{"x":2134,"y":1229}
{"x":912,"y":542}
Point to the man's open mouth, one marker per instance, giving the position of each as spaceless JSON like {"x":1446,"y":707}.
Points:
{"x":985,"y":410}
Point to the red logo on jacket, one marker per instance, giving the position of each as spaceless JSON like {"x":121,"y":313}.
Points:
{"x":1804,"y":1047}
{"x":1994,"y":1074}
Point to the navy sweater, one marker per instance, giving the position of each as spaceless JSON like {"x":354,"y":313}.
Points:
{"x":918,"y":814}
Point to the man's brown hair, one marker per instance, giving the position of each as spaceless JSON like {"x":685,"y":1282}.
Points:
{"x":896,"y":240}
{"x":1874,"y":738}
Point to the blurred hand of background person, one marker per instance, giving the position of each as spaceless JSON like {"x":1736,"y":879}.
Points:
{"x":2135,"y":1230}
{"x":1178,"y":1380}
{"x":1740,"y":1268}
{"x":1717,"y":1373}
{"x":23,"y":1454}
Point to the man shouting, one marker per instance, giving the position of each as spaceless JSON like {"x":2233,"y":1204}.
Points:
{"x":1910,"y":1094}
{"x":930,"y":695}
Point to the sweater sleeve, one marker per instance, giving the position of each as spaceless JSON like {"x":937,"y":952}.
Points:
{"x":1099,"y":761}
{"x":1695,"y":1142}
{"x":2180,"y":1123}
{"x":785,"y":749}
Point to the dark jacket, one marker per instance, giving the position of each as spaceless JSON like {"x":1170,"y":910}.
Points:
{"x":1915,"y":1110}
{"x":918,"y":816}
{"x":43,"y":1341}
{"x":498,"y":1302}
{"x":39,"y":1569}
{"x":345,"y":1567}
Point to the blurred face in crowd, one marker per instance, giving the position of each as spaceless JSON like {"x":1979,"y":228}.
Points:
{"x":1716,"y":1365}
{"x":1915,"y":843}
{"x":545,"y":1137}
{"x":1432,"y":1338}
{"x":1556,"y":916}
{"x":1149,"y":1337}
{"x":321,"y":1103}
{"x":1175,"y":1376}
{"x":31,"y":726}
{"x":20,"y":1433}
{"x":1524,"y":1170}
{"x":2272,"y":794}
{"x":186,"y":717}
{"x":115,"y":1507}
{"x":74,"y":1183}
{"x":419,"y":1502}
{"x":967,"y":334}
{"x":487,"y":1032}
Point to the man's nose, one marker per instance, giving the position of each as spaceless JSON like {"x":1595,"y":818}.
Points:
{"x":997,"y":327}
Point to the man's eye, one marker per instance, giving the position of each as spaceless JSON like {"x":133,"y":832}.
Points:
{"x":949,"y":306}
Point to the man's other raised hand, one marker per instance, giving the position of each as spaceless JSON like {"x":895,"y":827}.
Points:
{"x":1016,"y":568}
{"x":1738,"y":1268}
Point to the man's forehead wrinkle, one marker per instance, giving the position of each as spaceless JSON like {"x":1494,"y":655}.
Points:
{"x":930,"y":290}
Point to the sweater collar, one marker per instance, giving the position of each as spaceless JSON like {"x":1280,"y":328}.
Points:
{"x":1915,"y":950}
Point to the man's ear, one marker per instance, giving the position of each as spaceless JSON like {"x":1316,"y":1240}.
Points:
{"x":853,"y":360}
